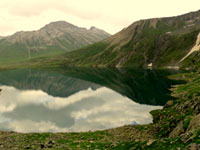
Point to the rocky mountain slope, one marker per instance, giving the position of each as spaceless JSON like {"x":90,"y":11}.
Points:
{"x":54,"y":38}
{"x":158,"y":42}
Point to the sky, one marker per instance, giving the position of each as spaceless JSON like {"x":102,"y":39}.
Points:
{"x":109,"y":15}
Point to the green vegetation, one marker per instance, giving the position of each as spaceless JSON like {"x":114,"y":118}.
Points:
{"x":192,"y":62}
{"x":162,"y":42}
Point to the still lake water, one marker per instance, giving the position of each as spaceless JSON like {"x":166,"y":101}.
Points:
{"x":80,"y":99}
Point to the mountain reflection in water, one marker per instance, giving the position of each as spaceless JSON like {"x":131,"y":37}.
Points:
{"x":79,"y":99}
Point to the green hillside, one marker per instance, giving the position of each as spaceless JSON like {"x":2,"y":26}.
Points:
{"x":162,"y":42}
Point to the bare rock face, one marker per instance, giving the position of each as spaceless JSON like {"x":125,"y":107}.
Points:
{"x":54,"y":38}
{"x":57,"y":31}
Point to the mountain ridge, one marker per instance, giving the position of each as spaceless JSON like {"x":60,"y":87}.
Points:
{"x":53,"y":38}
{"x":162,"y":42}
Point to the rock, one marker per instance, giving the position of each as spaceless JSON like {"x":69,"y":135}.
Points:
{"x":42,"y":146}
{"x":133,"y":148}
{"x":195,"y":122}
{"x":91,"y":141}
{"x":193,"y":146}
{"x":50,"y":146}
{"x":177,"y":130}
{"x":51,"y":142}
{"x":169,"y":103}
{"x":150,"y":142}
{"x":137,"y":140}
{"x":113,"y":145}
{"x":185,"y":138}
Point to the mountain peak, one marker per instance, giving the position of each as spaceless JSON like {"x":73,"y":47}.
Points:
{"x":162,"y":42}
{"x":54,"y":38}
{"x":93,"y":28}
{"x":97,"y":30}
{"x":59,"y":24}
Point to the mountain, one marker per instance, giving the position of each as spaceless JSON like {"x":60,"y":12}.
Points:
{"x":157,"y":42}
{"x":54,"y":38}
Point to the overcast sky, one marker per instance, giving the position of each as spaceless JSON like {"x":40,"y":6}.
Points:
{"x":110,"y":15}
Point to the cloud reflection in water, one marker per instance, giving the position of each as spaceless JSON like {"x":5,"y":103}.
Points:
{"x":36,"y":111}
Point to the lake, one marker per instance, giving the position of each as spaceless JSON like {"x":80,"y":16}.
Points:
{"x":80,"y":99}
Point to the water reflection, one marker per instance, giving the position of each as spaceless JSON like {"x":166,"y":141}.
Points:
{"x":36,"y":111}
{"x":79,"y":99}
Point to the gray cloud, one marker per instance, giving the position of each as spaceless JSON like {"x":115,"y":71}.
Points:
{"x":38,"y":7}
{"x":112,"y":15}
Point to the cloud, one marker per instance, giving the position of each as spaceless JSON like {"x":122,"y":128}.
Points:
{"x":33,"y":8}
{"x":27,"y":126}
{"x":112,"y":15}
{"x":37,"y":8}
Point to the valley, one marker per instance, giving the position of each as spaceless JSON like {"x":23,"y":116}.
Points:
{"x":88,"y":78}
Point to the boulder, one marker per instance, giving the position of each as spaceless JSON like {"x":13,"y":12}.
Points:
{"x":169,"y":103}
{"x":150,"y":142}
{"x":193,"y":146}
{"x":177,"y":130}
{"x":194,"y":123}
